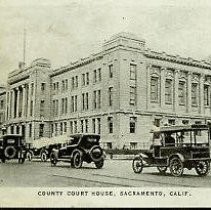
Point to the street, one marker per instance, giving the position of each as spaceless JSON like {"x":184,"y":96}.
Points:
{"x":115,"y":173}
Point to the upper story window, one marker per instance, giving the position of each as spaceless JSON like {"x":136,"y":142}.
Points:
{"x":154,"y":89}
{"x":97,"y":75}
{"x":132,"y":72}
{"x":64,"y":85}
{"x":111,"y":70}
{"x":74,"y":82}
{"x":206,"y":95}
{"x":42,"y":108}
{"x":132,"y":95}
{"x":182,"y":93}
{"x":194,"y":94}
{"x":133,"y":124}
{"x":110,"y":124}
{"x":168,"y":91}
{"x":87,"y":78}
{"x":43,"y":86}
{"x":2,"y":104}
{"x":110,"y":96}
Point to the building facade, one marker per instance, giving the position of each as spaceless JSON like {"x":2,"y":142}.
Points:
{"x":119,"y":93}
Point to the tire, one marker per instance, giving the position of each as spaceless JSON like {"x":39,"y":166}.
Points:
{"x":29,"y":156}
{"x":53,"y":159}
{"x":10,"y":152}
{"x":137,"y":165}
{"x":96,"y":153}
{"x":77,"y":160}
{"x":176,"y":167}
{"x":99,"y":164}
{"x":43,"y":157}
{"x":202,"y":168}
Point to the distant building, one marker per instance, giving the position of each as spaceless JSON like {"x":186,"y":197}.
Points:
{"x":2,"y":108}
{"x":119,"y":92}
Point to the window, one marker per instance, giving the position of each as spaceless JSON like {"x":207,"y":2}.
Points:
{"x":109,"y":145}
{"x":32,"y":88}
{"x":83,"y":79}
{"x":95,"y":76}
{"x":42,"y":86}
{"x":74,"y":103}
{"x":42,"y":108}
{"x":157,"y":122}
{"x":99,"y":125}
{"x":110,"y":96}
{"x":31,"y":108}
{"x":171,"y":121}
{"x":132,"y":95}
{"x":2,"y":104}
{"x":110,"y":124}
{"x":133,"y":145}
{"x":206,"y":95}
{"x":132,"y":124}
{"x":30,"y":130}
{"x":168,"y":91}
{"x":87,"y":78}
{"x":93,"y":126}
{"x":52,"y":129}
{"x":73,"y":83}
{"x":76,"y":81}
{"x":41,"y":130}
{"x":56,"y":129}
{"x":82,"y":126}
{"x":61,"y":128}
{"x":182,"y":93}
{"x":71,"y":127}
{"x":154,"y":89}
{"x":75,"y":127}
{"x":111,"y":69}
{"x":132,"y":72}
{"x":198,"y":133}
{"x":87,"y":101}
{"x":86,"y":125}
{"x":99,"y":74}
{"x":83,"y":101}
{"x":194,"y":94}
{"x":99,"y":99}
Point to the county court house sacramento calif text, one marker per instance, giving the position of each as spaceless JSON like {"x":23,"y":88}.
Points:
{"x":119,"y":93}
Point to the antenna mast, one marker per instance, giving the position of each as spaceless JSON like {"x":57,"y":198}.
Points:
{"x":24,"y":45}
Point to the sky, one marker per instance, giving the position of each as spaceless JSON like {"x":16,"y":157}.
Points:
{"x":66,"y":30}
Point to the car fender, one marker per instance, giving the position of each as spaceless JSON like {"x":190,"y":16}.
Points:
{"x":179,"y":155}
{"x":141,"y":155}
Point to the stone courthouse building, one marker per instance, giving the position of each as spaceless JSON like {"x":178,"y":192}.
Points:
{"x":119,"y":93}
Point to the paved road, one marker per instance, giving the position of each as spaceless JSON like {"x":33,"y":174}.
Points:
{"x":115,"y":173}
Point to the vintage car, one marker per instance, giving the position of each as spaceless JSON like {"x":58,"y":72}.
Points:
{"x":176,"y":148}
{"x":80,"y":148}
{"x":42,"y":148}
{"x":12,"y":146}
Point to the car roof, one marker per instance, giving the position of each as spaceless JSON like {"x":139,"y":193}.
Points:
{"x":12,"y":135}
{"x":178,"y":128}
{"x":84,"y":134}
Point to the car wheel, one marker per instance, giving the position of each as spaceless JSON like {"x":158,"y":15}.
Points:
{"x":21,"y":160}
{"x":44,"y":157}
{"x":77,"y":160}
{"x":10,"y":152}
{"x":29,"y":156}
{"x":202,"y":168}
{"x":176,"y":167}
{"x":53,"y":159}
{"x":99,"y":164}
{"x":162,"y":169}
{"x":137,"y":165}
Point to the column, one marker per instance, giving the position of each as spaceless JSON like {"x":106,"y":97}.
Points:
{"x":162,"y":87}
{"x":176,"y":85}
{"x":148,"y":86}
{"x":24,"y":101}
{"x":7,"y":105}
{"x":12,"y":99}
{"x":18,"y":100}
{"x":201,"y":94}
{"x":29,"y":100}
{"x":189,"y":102}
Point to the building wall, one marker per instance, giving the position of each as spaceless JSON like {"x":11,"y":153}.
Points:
{"x":142,"y":80}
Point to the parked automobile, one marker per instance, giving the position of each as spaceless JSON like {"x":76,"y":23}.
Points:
{"x":80,"y":148}
{"x":12,"y":146}
{"x":41,"y":149}
{"x":176,"y":148}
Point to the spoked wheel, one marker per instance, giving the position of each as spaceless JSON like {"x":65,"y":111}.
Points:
{"x":202,"y":168}
{"x":21,"y":160}
{"x":53,"y":160}
{"x":137,"y":165}
{"x":99,"y":164}
{"x":44,"y":157}
{"x":176,"y":167}
{"x":162,"y":169}
{"x":77,"y":160}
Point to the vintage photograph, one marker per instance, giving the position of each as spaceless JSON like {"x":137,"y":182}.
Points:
{"x":105,"y":95}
